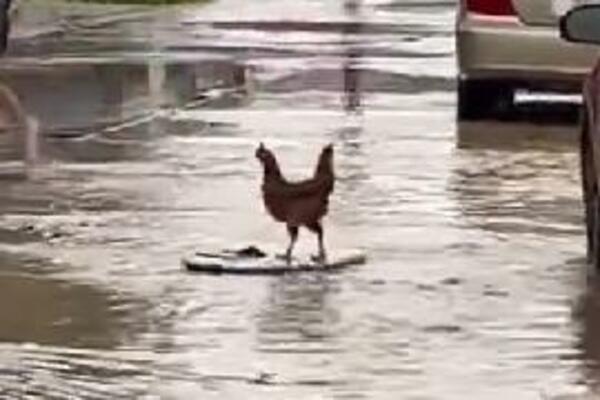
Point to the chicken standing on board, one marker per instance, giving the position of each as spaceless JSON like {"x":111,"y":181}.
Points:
{"x":300,"y":203}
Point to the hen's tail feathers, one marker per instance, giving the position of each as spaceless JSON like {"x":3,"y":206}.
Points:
{"x":325,"y":163}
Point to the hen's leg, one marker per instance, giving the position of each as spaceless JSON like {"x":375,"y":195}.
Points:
{"x":318,"y":229}
{"x":293,"y":232}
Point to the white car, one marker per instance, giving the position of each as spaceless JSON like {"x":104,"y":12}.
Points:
{"x":506,"y":45}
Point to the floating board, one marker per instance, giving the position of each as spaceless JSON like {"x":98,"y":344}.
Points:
{"x":252,"y":261}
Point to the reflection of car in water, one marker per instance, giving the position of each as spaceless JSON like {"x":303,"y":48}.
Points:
{"x":505,"y":45}
{"x":582,"y":25}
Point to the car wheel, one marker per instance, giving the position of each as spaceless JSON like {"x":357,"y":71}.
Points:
{"x":480,"y":99}
{"x":590,"y":193}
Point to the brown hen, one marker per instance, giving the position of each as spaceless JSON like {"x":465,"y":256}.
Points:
{"x":300,"y":203}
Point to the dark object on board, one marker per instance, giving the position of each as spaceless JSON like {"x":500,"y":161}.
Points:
{"x":302,"y":203}
{"x":250,"y":251}
{"x":4,"y":24}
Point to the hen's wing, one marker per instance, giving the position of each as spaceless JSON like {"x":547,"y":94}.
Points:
{"x":311,"y":187}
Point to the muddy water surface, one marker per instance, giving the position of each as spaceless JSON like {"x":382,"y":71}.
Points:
{"x":148,"y":120}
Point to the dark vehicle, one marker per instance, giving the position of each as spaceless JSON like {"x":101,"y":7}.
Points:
{"x":582,"y":25}
{"x":4,"y":24}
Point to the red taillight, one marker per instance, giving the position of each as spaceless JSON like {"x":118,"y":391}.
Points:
{"x":491,"y":7}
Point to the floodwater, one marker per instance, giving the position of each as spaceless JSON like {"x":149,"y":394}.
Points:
{"x":148,"y":119}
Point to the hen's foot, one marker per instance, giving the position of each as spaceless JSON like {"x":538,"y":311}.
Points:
{"x":285,"y":257}
{"x":320,"y":258}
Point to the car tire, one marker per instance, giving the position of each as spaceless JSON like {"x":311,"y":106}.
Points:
{"x":591,"y":199}
{"x":478,"y":99}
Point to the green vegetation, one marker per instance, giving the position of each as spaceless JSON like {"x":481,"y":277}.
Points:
{"x":148,"y":2}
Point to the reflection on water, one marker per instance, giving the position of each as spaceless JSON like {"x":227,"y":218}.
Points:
{"x":587,"y":314}
{"x":512,"y":189}
{"x":351,"y":65}
{"x":516,"y":136}
{"x":70,"y":95}
{"x":297,"y":313}
{"x":148,"y":119}
{"x":21,"y":130}
{"x":549,"y":124}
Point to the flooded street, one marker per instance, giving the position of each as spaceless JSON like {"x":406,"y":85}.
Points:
{"x":475,"y":286}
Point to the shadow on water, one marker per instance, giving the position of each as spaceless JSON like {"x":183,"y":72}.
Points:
{"x":587,"y":316}
{"x":41,"y":310}
{"x":538,"y":124}
{"x":60,"y":329}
